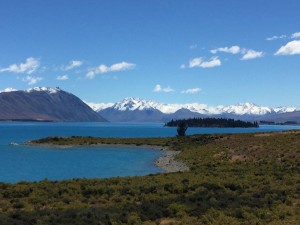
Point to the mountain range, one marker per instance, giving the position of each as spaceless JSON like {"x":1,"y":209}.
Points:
{"x":54,"y":104}
{"x":140,"y":110}
{"x":44,"y":104}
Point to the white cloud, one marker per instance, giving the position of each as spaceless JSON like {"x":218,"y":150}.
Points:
{"x":195,"y":62}
{"x":198,"y":62}
{"x":73,"y":64}
{"x":121,"y":66}
{"x":31,"y":79}
{"x":182,"y":66}
{"x":296,"y":35}
{"x":212,"y":63}
{"x":193,"y":46}
{"x":233,"y":50}
{"x":252,"y":54}
{"x":275,"y":37}
{"x":247,"y":53}
{"x":63,"y":77}
{"x":91,"y":74}
{"x":28,"y":67}
{"x":191,"y":91}
{"x":159,"y":88}
{"x":291,"y":48}
{"x":113,"y":68}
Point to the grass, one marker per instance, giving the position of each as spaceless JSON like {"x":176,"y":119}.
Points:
{"x":233,"y":179}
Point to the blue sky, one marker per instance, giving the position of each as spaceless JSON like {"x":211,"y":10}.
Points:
{"x":173,"y":51}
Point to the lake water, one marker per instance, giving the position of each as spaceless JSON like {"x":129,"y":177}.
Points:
{"x":27,"y":163}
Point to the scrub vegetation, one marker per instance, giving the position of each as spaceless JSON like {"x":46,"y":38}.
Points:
{"x":233,"y":179}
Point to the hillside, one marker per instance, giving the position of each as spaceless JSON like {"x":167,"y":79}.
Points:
{"x":45,"y":104}
{"x":233,"y":179}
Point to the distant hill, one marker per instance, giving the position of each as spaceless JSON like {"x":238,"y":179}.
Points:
{"x":45,"y":104}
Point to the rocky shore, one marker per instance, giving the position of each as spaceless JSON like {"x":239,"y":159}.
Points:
{"x":169,"y":164}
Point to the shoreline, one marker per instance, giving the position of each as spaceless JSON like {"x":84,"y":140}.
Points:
{"x":167,"y":162}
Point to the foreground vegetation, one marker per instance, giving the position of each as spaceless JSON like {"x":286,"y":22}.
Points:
{"x":211,"y":122}
{"x":233,"y":179}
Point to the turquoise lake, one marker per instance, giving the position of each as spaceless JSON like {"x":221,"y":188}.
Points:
{"x":27,"y":163}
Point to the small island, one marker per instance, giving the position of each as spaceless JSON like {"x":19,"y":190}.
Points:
{"x":211,"y":122}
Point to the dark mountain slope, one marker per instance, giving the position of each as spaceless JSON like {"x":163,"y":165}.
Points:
{"x":45,"y":104}
{"x":149,"y":115}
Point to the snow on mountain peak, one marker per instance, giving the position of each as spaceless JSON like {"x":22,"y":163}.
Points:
{"x":9,"y":89}
{"x":45,"y":89}
{"x":247,"y":108}
{"x":247,"y":104}
{"x":285,"y":109}
{"x":98,"y":106}
{"x":133,"y":104}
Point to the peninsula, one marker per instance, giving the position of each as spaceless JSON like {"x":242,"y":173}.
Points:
{"x":232,"y":179}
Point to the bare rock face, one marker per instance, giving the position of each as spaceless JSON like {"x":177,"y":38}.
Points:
{"x":45,"y":104}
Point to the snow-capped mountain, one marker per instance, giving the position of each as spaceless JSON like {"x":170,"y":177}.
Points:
{"x":136,"y":109}
{"x":49,"y":90}
{"x":54,"y":104}
{"x":44,"y":104}
{"x":285,"y":109}
{"x":131,"y":104}
{"x":98,"y":106}
{"x":8,"y":90}
{"x":245,"y":109}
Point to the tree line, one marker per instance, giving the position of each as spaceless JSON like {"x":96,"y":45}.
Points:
{"x":211,"y":122}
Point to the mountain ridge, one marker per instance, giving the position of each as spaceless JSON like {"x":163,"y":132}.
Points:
{"x":132,"y":104}
{"x":45,"y":104}
{"x":151,"y":111}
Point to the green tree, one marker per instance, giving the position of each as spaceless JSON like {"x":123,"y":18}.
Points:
{"x":181,"y":129}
